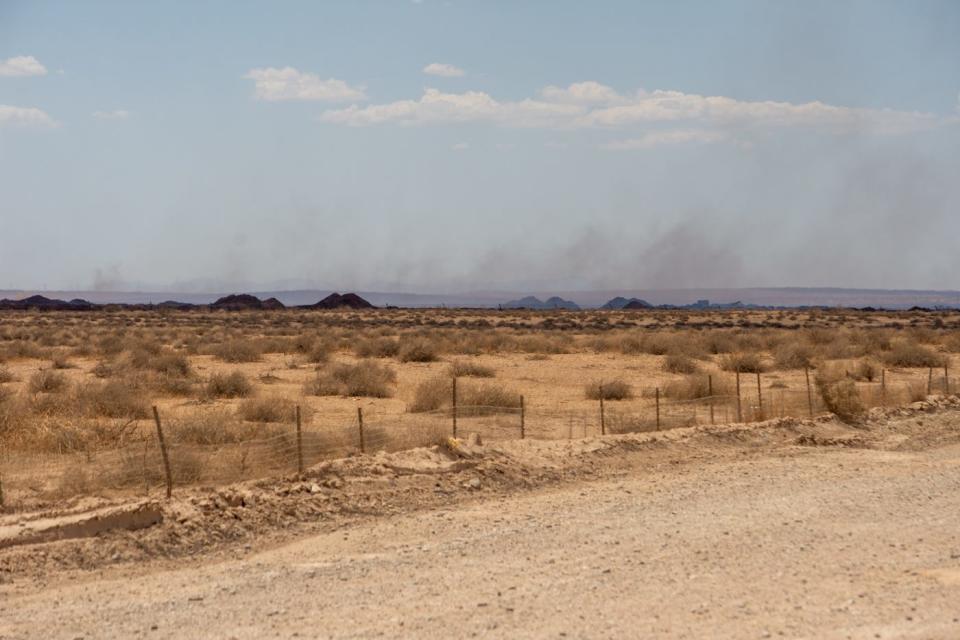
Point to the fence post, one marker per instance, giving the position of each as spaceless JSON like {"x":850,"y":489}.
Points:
{"x":299,"y":443}
{"x":363,"y":445}
{"x":806,"y":373}
{"x":2,"y":503}
{"x":710,"y":392}
{"x":930,"y":381}
{"x":454,"y":406}
{"x":603,"y":419}
{"x":163,"y":452}
{"x":883,"y":387}
{"x":657,"y":395}
{"x":946,"y":380}
{"x":739,"y":408}
{"x":523,"y":430}
{"x":759,"y":397}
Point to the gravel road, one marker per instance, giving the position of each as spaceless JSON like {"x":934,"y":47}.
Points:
{"x":815,"y":543}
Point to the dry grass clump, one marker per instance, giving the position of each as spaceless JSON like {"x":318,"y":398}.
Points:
{"x":417,"y":350}
{"x":840,"y":395}
{"x":268,"y":409}
{"x":679,"y":363}
{"x":793,"y":355}
{"x":238,"y":350}
{"x":381,"y":347}
{"x":60,"y":361}
{"x":217,"y":427}
{"x":472,"y":399}
{"x":6,"y":375}
{"x":865,"y":369}
{"x":228,"y":385}
{"x":694,"y":387}
{"x":366,"y":378}
{"x":912,"y":354}
{"x":47,"y":381}
{"x":744,"y":362}
{"x":608,"y":390}
{"x":111,"y":399}
{"x":465,"y":368}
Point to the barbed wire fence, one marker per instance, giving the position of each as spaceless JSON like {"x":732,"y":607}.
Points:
{"x":182,"y":453}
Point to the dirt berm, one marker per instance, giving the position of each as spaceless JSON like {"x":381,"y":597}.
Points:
{"x":232,"y":520}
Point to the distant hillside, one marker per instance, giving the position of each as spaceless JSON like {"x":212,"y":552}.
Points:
{"x":532,"y":302}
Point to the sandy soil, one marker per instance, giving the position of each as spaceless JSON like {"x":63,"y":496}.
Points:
{"x":779,"y":530}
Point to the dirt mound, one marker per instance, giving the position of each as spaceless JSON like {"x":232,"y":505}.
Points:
{"x":46,"y":304}
{"x":336,"y":492}
{"x":337,"y":301}
{"x":245,"y":302}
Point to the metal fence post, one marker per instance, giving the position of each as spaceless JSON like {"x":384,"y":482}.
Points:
{"x":454,"y":406}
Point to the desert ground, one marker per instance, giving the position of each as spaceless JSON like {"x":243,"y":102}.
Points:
{"x":817,"y":500}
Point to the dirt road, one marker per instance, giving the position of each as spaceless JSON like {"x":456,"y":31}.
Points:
{"x":824,"y":543}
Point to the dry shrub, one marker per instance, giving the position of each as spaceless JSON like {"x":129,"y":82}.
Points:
{"x":6,"y":375}
{"x":215,"y":427}
{"x":484,"y":398}
{"x":916,"y":391}
{"x":432,"y":394}
{"x":693,"y":387}
{"x":912,"y":355}
{"x":465,"y":368}
{"x":319,"y":352}
{"x":364,"y":379}
{"x":865,"y":369}
{"x":228,"y":385}
{"x":377,"y":348}
{"x":792,"y":355}
{"x":608,"y":390}
{"x":840,"y":395}
{"x":60,"y":361}
{"x":472,"y":398}
{"x":744,"y":362}
{"x":239,"y":350}
{"x":111,"y":399}
{"x":679,"y":363}
{"x":417,"y":350}
{"x":13,"y":414}
{"x":173,"y":385}
{"x":268,"y":409}
{"x":619,"y":422}
{"x":47,"y":381}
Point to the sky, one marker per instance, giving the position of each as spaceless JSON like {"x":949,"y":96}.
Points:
{"x":450,"y":146}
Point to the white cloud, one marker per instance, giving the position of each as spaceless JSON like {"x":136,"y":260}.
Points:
{"x":443,"y":70}
{"x":473,"y":106}
{"x":274,"y":85}
{"x":594,"y":105}
{"x":667,"y":137}
{"x":21,"y":67}
{"x":116,"y":114}
{"x":583,"y":93}
{"x":25,"y":117}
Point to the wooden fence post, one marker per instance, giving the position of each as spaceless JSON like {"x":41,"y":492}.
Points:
{"x":454,"y":406}
{"x":299,"y":443}
{"x":930,"y":381}
{"x":363,"y":445}
{"x":739,"y":408}
{"x":163,"y":452}
{"x":759,"y":397}
{"x":523,"y":430}
{"x":603,"y":419}
{"x":710,"y":392}
{"x":806,"y":373}
{"x":883,"y":387}
{"x":946,"y":380}
{"x":657,"y":395}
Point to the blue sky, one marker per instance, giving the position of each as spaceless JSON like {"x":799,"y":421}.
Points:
{"x":452,"y":146}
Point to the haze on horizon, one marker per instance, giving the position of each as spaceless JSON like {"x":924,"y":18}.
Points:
{"x":459,"y":146}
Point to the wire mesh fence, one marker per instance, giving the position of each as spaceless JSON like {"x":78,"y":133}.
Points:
{"x":201,"y":454}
